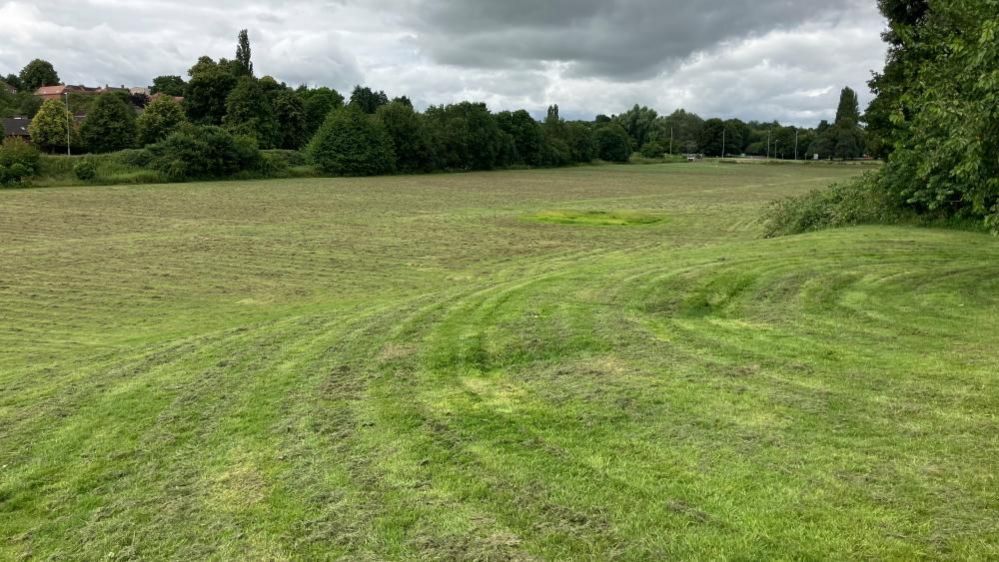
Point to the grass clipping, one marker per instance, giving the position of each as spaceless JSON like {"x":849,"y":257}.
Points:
{"x":597,"y":218}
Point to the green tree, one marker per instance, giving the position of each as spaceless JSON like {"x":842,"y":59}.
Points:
{"x":109,"y":126}
{"x":168,"y":86}
{"x":367,"y":100}
{"x":906,"y":55}
{"x":318,"y":105}
{"x":639,"y":123}
{"x":613,"y":143}
{"x":411,"y":141}
{"x":249,"y":112}
{"x":48,"y":129}
{"x":289,"y":112}
{"x":680,"y":129}
{"x":243,"y":54}
{"x":467,"y":137}
{"x":712,"y":136}
{"x":946,"y":128}
{"x":161,"y":118}
{"x":352,"y":143}
{"x":208,"y":90}
{"x":849,"y":106}
{"x":38,"y":73}
{"x":582,"y":145}
{"x":528,"y":137}
{"x":14,"y":81}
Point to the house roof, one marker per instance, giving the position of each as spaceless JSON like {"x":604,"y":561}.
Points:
{"x":16,"y":126}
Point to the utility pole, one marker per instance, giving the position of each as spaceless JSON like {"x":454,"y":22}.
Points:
{"x":69,"y":126}
{"x":768,"y":143}
{"x":671,"y":141}
{"x":723,"y":142}
{"x":795,"y":144}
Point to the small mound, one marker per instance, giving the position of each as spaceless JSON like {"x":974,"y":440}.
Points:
{"x":597,"y":218}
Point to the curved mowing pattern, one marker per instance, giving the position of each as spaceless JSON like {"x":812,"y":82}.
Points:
{"x":375,"y":370}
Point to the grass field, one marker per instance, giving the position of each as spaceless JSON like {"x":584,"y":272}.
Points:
{"x":599,"y":363}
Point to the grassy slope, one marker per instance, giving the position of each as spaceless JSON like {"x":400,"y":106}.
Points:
{"x":415,"y":368}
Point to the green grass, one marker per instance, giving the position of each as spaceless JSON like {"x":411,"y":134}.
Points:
{"x":404,"y":368}
{"x":597,"y":218}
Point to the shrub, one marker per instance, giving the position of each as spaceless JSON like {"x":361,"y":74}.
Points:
{"x":352,"y":143}
{"x":204,"y":152}
{"x":18,"y":160}
{"x":653,"y":150}
{"x":160,"y":118}
{"x":85,"y":170}
{"x":863,"y":201}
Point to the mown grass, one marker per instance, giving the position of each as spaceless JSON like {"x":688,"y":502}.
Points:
{"x":405,"y":368}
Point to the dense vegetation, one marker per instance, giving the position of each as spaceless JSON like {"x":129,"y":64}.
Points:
{"x":460,"y":136}
{"x":936,"y":116}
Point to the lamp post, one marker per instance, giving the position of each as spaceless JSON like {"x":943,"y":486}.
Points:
{"x":69,"y":126}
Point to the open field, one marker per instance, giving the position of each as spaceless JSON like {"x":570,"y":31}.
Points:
{"x":592,"y":363}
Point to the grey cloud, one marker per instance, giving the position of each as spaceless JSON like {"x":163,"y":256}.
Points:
{"x":629,"y":39}
{"x":762,"y":59}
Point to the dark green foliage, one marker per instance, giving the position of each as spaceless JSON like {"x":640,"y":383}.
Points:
{"x":289,"y":112}
{"x":946,"y":130}
{"x":38,"y":73}
{"x":849,"y":106}
{"x":528,"y":138}
{"x":844,"y":139}
{"x":639,"y":122}
{"x":168,"y":86}
{"x":712,"y":136}
{"x":318,"y":105}
{"x":109,"y":126}
{"x":14,"y":81}
{"x":581,"y":142}
{"x":849,"y":204}
{"x":653,"y":150}
{"x":613,"y":143}
{"x":352,"y":143}
{"x":208,"y":90}
{"x":249,"y":113}
{"x":467,"y":137}
{"x":906,"y":55}
{"x":85,"y":170}
{"x":411,"y":141}
{"x":681,"y":130}
{"x":159,"y":120}
{"x":18,"y":161}
{"x":367,"y":100}
{"x":203,"y":152}
{"x":244,"y":64}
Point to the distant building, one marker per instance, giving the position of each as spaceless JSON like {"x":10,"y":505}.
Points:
{"x":16,"y":127}
{"x":57,"y":92}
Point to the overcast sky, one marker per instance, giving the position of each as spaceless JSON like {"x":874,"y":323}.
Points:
{"x":752,"y":59}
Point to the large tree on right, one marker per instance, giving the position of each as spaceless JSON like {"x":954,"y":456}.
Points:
{"x":937,"y":107}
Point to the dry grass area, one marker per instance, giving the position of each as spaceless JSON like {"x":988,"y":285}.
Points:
{"x":497,"y":366}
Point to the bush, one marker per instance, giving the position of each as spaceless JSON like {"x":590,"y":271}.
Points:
{"x":653,"y":150}
{"x":864,"y":201}
{"x":110,"y":125}
{"x":85,"y":170}
{"x":352,"y":143}
{"x":18,"y":161}
{"x":204,"y":152}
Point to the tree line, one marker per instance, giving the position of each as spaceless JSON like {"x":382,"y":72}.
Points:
{"x":370,"y":133}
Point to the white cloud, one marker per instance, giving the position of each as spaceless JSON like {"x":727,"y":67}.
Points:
{"x":753,"y":60}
